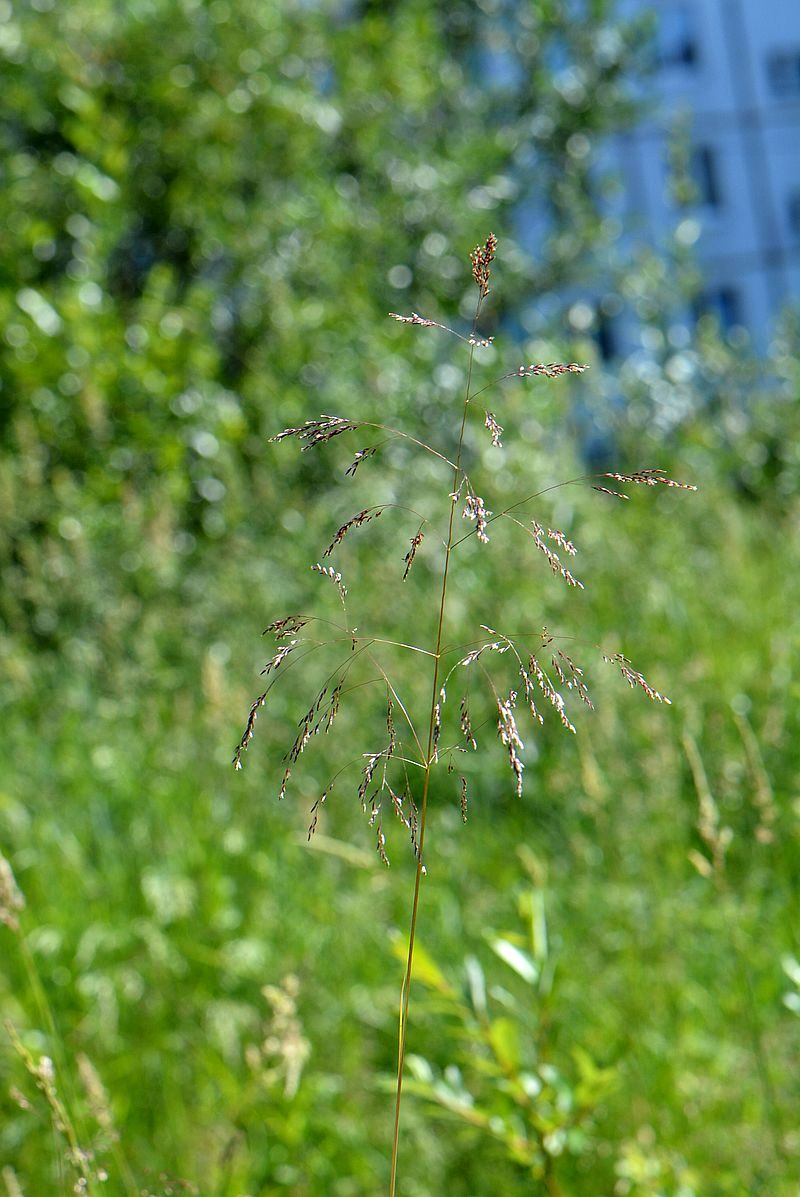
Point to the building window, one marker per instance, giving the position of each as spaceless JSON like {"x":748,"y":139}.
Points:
{"x":722,"y":302}
{"x":676,"y":39}
{"x":705,"y":175}
{"x":783,"y":72}
{"x":793,"y":214}
{"x":606,"y":337}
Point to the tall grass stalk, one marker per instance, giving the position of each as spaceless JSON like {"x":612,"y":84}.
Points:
{"x":539,"y":677}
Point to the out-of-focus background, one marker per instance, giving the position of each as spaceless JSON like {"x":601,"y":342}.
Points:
{"x":208,"y":210}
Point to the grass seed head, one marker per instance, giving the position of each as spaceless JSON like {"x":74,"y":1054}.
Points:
{"x":481,"y":258}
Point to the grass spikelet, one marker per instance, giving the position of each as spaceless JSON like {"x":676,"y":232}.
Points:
{"x":357,"y":521}
{"x":317,"y":432}
{"x":551,"y":694}
{"x":361,"y":456}
{"x":634,"y":678}
{"x":287,"y":773}
{"x":289,"y":626}
{"x":475,"y":509}
{"x":328,"y":571}
{"x":571,"y":676}
{"x":530,"y":694}
{"x":615,"y":494}
{"x":549,"y":369}
{"x":495,"y":429}
{"x":651,"y":477}
{"x":280,"y":656}
{"x":481,"y":258}
{"x":553,"y":559}
{"x":562,"y":541}
{"x":466,"y":726}
{"x":416,"y":541}
{"x":415,"y":318}
{"x":509,"y":736}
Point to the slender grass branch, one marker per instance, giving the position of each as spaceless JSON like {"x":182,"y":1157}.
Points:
{"x":406,"y":988}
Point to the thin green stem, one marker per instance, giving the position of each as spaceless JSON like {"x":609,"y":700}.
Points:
{"x":406,"y":989}
{"x":407,"y":437}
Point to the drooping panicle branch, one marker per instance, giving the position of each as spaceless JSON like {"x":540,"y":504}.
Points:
{"x":416,"y":541}
{"x":634,"y":678}
{"x":317,"y":432}
{"x":553,"y":559}
{"x":466,"y":725}
{"x":495,"y":429}
{"x":547,"y":370}
{"x":421,"y":322}
{"x":651,"y":477}
{"x":363,"y":517}
{"x":509,"y":735}
{"x":286,"y":627}
{"x":571,"y":676}
{"x":475,"y":509}
{"x":360,"y":457}
{"x":328,"y":571}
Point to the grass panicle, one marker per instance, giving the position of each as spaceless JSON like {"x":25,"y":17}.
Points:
{"x":398,"y":773}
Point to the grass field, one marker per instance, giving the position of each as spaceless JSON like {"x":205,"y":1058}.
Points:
{"x":235,"y":989}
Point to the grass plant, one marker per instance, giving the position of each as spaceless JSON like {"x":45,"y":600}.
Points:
{"x":419,"y":736}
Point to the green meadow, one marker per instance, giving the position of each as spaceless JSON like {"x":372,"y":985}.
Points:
{"x":209,"y":220}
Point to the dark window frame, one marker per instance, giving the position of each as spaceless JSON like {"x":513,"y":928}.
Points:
{"x":677,"y":42}
{"x":783,"y":73}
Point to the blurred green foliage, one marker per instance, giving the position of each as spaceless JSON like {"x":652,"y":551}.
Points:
{"x":208,"y":211}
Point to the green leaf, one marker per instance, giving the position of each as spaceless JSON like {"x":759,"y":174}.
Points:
{"x":505,"y":1040}
{"x":477,"y":984}
{"x":522,"y":963}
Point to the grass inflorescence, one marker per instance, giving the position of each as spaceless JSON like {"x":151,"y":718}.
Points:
{"x":541,"y":671}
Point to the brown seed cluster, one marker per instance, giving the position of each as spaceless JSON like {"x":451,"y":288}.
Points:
{"x":373,"y":801}
{"x":285,"y":627}
{"x":615,"y":494}
{"x":634,"y":678}
{"x":362,"y":455}
{"x":319,"y":717}
{"x":495,"y":429}
{"x":549,"y":369}
{"x":481,"y":258}
{"x":363,"y":517}
{"x":553,"y":559}
{"x":466,"y":726}
{"x":280,"y":657}
{"x":317,"y":432}
{"x":649,"y":478}
{"x":509,"y":736}
{"x":571,"y":676}
{"x":491,"y":646}
{"x":415,"y":318}
{"x":416,"y":541}
{"x":562,"y":541}
{"x":474,"y":509}
{"x":328,"y":571}
{"x":316,"y":808}
{"x":551,"y":694}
